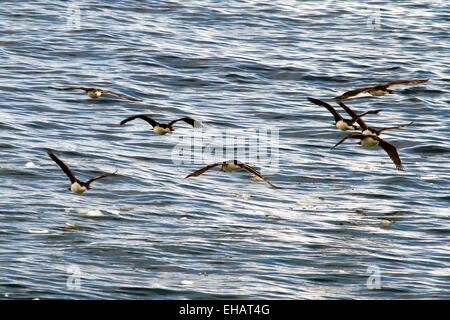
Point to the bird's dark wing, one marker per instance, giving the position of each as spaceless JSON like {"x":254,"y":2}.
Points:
{"x":398,"y":127}
{"x":351,"y":135}
{"x":192,"y":122}
{"x":63,"y":166}
{"x":392,"y":152}
{"x":100,"y":177}
{"x":351,"y":113}
{"x":351,"y":93}
{"x":119,"y":95}
{"x":71,"y":88}
{"x":369,"y":112}
{"x":399,"y":82}
{"x":336,"y":114}
{"x":361,"y":122}
{"x":354,"y":116}
{"x":140,"y":116}
{"x":253,"y":170}
{"x":203,"y":170}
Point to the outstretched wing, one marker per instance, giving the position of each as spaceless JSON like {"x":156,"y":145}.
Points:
{"x":71,"y":88}
{"x":203,"y":170}
{"x":350,"y":111}
{"x":351,"y":93}
{"x":368,"y":112}
{"x":253,"y":170}
{"x":100,"y":177}
{"x":398,"y":127}
{"x":399,"y":82}
{"x":336,"y":114}
{"x":392,"y":152}
{"x":351,"y":135}
{"x":354,"y":115}
{"x":63,"y":166}
{"x":140,"y":116}
{"x":192,"y":122}
{"x":119,"y":95}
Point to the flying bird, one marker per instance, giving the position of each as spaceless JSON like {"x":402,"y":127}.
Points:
{"x":363,"y":126}
{"x":340,"y":122}
{"x":161,"y":128}
{"x":379,"y":90}
{"x":95,"y":93}
{"x":230,"y":166}
{"x":370,"y":141}
{"x":76,"y":186}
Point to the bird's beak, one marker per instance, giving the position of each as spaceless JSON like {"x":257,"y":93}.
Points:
{"x":172,"y":129}
{"x":88,"y":187}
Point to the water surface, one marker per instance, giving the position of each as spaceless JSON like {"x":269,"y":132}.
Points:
{"x":344,"y":218}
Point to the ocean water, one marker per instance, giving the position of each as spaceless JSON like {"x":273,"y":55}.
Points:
{"x":346,"y":224}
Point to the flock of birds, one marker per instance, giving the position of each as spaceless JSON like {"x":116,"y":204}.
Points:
{"x":368,"y":137}
{"x":78,"y":186}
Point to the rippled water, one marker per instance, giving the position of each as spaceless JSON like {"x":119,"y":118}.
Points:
{"x":346,"y":223}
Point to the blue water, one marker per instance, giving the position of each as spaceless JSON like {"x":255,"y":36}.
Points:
{"x":345,"y":225}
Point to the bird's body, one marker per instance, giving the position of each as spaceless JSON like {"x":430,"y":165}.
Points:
{"x":370,"y":132}
{"x":95,"y":92}
{"x":76,"y":185}
{"x":379,"y":90}
{"x":371,"y":141}
{"x":230,"y":166}
{"x":344,"y":126}
{"x":340,"y":122}
{"x":161,"y":128}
